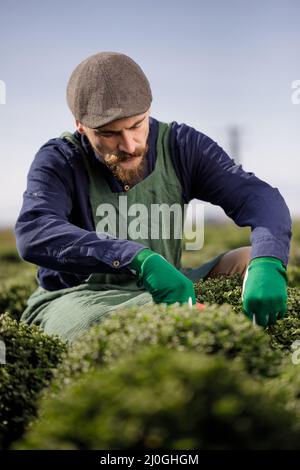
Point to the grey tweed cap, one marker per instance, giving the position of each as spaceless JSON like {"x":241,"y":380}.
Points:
{"x":105,"y":87}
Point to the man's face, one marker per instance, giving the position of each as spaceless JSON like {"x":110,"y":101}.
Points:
{"x":121,"y":145}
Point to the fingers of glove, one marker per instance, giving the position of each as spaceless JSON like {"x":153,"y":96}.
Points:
{"x":259,"y":319}
{"x":181,"y":290}
{"x":262,"y":299}
{"x":248,"y":314}
{"x":165,"y":283}
{"x":265,"y":320}
{"x":273,"y":318}
{"x":183,"y":286}
{"x":185,"y":291}
{"x":276,"y":316}
{"x":262,"y":319}
{"x":265,"y":307}
{"x":281,"y":314}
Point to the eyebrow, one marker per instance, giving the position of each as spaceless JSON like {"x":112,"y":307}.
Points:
{"x":107,"y":131}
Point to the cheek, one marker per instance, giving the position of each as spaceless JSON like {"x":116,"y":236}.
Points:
{"x":102,"y":146}
{"x":141,"y":138}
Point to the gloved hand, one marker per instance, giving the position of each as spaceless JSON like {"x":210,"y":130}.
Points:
{"x":265,"y":290}
{"x":164,"y":282}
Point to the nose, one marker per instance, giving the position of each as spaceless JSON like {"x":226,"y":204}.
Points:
{"x":127,"y":143}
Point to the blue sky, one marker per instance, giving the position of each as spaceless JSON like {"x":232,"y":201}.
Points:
{"x":211,"y":64}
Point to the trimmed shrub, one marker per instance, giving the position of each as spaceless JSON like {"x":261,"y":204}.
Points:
{"x":164,"y":399}
{"x":30,"y":358}
{"x":14,"y":294}
{"x":288,"y":382}
{"x":229,"y":289}
{"x":220,"y":290}
{"x":216,"y":330}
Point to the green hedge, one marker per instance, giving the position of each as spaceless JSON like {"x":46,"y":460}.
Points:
{"x":219,"y":329}
{"x":216,"y":330}
{"x":220,"y":290}
{"x":229,"y":289}
{"x":15,"y":292}
{"x":30,"y":358}
{"x":163,"y":399}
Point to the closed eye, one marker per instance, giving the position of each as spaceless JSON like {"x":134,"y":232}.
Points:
{"x":112,"y":133}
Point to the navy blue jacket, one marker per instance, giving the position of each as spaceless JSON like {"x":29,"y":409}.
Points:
{"x":55,"y":228}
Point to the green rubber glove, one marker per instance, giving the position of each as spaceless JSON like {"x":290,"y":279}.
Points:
{"x":164,"y":282}
{"x":265,"y":290}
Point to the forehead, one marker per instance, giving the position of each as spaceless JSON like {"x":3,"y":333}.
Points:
{"x":124,"y":123}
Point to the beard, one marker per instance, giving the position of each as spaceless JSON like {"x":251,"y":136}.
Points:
{"x":126,"y":175}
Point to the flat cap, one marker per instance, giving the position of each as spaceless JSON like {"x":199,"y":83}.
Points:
{"x":105,"y":87}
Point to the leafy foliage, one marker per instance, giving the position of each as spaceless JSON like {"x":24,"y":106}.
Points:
{"x":221,"y":290}
{"x":221,"y":337}
{"x":30,"y":358}
{"x":216,"y":330}
{"x":163,"y":399}
{"x":14,"y":294}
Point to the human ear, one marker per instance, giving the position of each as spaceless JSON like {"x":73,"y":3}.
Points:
{"x":80,"y":127}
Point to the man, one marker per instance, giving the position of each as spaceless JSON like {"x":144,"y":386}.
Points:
{"x":119,"y":154}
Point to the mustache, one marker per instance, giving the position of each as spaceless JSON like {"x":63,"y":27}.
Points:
{"x":122,"y":156}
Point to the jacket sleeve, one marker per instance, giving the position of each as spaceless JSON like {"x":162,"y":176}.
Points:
{"x":246,"y":199}
{"x":46,"y":237}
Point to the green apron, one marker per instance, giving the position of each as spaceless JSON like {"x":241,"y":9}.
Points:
{"x":70,"y":312}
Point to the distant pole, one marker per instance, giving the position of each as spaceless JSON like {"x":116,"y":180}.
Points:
{"x":234,"y":133}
